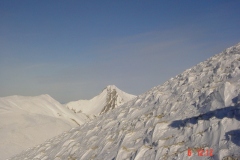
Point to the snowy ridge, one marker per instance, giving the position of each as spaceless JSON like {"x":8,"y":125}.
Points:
{"x":111,"y":97}
{"x":28,"y":121}
{"x":197,"y":109}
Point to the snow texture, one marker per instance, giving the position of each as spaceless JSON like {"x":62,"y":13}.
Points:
{"x":28,"y":121}
{"x":199,"y":108}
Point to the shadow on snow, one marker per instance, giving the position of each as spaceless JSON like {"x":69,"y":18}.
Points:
{"x":228,"y":112}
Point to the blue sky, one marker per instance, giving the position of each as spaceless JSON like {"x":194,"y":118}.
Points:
{"x":74,"y":49}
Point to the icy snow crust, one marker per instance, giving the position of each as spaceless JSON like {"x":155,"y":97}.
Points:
{"x":199,"y":108}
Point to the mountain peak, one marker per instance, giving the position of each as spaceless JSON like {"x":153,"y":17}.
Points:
{"x":110,"y":98}
{"x":111,"y":87}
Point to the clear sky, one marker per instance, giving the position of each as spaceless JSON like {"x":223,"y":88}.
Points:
{"x":72,"y":49}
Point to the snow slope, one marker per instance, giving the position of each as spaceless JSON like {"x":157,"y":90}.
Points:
{"x":28,"y":121}
{"x":199,"y":108}
{"x":111,"y":97}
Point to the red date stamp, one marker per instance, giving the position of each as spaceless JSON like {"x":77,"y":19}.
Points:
{"x":202,"y":152}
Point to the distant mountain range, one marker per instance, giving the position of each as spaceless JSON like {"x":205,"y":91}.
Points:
{"x":193,"y":116}
{"x":28,"y":121}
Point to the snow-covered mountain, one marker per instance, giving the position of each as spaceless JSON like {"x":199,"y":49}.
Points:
{"x":111,"y":97}
{"x":198,"y":109}
{"x":28,"y":121}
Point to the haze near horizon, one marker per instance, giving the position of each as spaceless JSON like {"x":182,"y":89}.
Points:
{"x":73,"y":49}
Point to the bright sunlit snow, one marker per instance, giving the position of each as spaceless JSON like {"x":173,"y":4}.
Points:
{"x":27,"y":121}
{"x":110,"y":98}
{"x":198,"y":109}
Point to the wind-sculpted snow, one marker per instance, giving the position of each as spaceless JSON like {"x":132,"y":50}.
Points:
{"x":227,"y":112}
{"x":198,"y":109}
